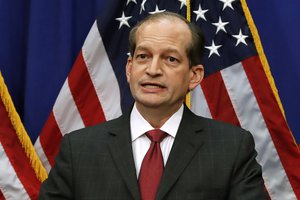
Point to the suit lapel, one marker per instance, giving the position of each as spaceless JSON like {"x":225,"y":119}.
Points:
{"x":187,"y":143}
{"x":121,"y":151}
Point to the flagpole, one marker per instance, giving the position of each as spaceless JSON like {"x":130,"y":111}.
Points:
{"x":188,"y":17}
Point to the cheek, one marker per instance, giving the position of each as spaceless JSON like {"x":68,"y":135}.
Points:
{"x":128,"y":78}
{"x":133,"y":79}
{"x":181,"y":78}
{"x":179,"y":83}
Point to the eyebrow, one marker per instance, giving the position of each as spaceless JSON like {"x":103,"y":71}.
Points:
{"x":169,"y":50}
{"x":172,"y":50}
{"x":141,"y":48}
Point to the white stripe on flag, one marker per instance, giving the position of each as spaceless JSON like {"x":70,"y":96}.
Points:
{"x":65,"y":111}
{"x":102,"y":74}
{"x":199,"y":104}
{"x":250,"y":117}
{"x":40,"y":152}
{"x":10,"y":185}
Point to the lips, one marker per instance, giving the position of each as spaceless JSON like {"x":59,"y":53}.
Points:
{"x":152,"y":85}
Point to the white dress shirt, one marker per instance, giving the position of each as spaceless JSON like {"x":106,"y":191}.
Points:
{"x":141,"y":143}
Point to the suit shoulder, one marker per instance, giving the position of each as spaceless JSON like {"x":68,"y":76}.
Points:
{"x":219,"y":127}
{"x":99,"y":130}
{"x":227,"y":136}
{"x":214,"y":127}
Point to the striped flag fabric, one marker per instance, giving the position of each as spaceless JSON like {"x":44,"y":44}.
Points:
{"x":21,"y":171}
{"x":238,"y":87}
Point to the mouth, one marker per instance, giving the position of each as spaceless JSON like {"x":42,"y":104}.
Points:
{"x":152,"y":85}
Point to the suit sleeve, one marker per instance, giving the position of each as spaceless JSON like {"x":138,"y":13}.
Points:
{"x":58,"y":185}
{"x":247,"y":182}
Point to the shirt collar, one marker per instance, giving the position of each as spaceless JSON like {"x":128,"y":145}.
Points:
{"x":139,"y":125}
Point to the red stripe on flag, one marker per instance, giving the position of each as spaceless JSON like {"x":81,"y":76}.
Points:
{"x":218,"y":99}
{"x":50,"y":138}
{"x":1,"y":196}
{"x":16,"y":155}
{"x":275,"y":121}
{"x":84,"y":93}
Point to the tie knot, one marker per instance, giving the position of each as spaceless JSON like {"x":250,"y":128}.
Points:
{"x":156,"y":135}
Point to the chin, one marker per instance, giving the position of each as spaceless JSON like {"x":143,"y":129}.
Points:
{"x":149,"y":104}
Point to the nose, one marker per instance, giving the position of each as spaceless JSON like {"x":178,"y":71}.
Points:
{"x":154,"y":67}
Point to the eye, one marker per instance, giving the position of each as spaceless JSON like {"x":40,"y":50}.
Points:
{"x":141,"y":56}
{"x":172,"y":59}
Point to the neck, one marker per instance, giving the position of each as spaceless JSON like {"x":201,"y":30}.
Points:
{"x":156,"y":116}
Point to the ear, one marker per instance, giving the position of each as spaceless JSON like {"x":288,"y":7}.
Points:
{"x":196,"y":76}
{"x":128,"y":68}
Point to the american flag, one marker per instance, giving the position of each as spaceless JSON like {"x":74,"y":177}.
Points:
{"x":21,"y":171}
{"x":237,"y":87}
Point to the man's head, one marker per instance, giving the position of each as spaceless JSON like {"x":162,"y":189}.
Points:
{"x":164,"y":63}
{"x":194,"y":49}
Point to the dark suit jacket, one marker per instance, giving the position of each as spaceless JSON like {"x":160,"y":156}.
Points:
{"x":208,"y":160}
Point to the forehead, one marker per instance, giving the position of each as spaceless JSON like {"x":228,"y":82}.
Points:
{"x":169,"y":30}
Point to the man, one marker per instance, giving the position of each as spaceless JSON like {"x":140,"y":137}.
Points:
{"x":202,"y":158}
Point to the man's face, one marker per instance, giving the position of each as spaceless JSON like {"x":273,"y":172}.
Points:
{"x":158,"y":73}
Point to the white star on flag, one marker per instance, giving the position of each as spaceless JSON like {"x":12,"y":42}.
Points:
{"x":220,"y":25}
{"x":143,"y":6}
{"x":123,"y":20}
{"x":156,"y":10}
{"x":213,"y":49}
{"x":128,"y":1}
{"x":200,"y":13}
{"x":240,"y":38}
{"x":183,"y":3}
{"x":227,"y":3}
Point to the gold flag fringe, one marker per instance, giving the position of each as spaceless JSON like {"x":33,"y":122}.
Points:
{"x":21,"y":132}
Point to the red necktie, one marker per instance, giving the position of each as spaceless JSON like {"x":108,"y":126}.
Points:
{"x":152,"y":166}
